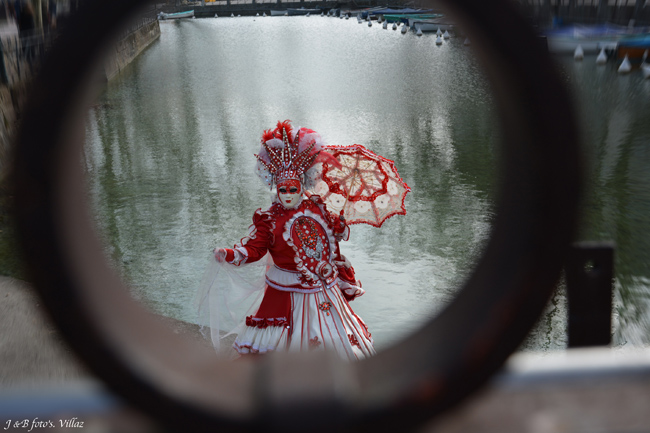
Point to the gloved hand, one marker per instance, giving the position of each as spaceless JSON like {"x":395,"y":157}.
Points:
{"x":221,"y":254}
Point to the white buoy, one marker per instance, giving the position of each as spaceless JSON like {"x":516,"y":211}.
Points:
{"x":385,"y":25}
{"x":579,"y":53}
{"x":394,"y":26}
{"x":646,"y":70}
{"x":232,"y":15}
{"x":419,"y":33}
{"x":625,"y":67}
{"x":446,"y":35}
{"x":602,"y":57}
{"x":216,"y":15}
{"x":264,"y":14}
{"x":467,"y":42}
{"x":307,"y":14}
{"x":438,"y":32}
{"x":438,"y":40}
{"x":322,"y":14}
{"x":369,"y":23}
{"x":404,"y":29}
{"x":257,"y":14}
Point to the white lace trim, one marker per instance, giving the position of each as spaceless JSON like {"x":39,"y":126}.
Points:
{"x":241,"y":255}
{"x":262,"y":340}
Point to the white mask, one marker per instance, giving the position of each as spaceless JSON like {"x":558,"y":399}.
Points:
{"x":290,"y":193}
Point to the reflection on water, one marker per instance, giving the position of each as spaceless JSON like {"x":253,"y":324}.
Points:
{"x":170,"y":158}
{"x":171,"y":143}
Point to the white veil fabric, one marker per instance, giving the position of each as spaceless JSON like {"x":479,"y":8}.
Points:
{"x":227,"y":295}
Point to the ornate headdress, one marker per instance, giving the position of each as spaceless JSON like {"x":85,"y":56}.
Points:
{"x":285,"y":155}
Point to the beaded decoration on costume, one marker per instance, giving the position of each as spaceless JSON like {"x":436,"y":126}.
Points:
{"x":308,"y":235}
{"x":325,"y":306}
{"x":313,"y":241}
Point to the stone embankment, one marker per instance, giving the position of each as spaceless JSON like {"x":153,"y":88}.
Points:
{"x":15,"y":70}
{"x":33,"y":353}
{"x":19,"y":59}
{"x":129,"y":47}
{"x":31,"y":350}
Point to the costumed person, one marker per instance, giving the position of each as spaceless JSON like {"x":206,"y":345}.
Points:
{"x":308,"y":284}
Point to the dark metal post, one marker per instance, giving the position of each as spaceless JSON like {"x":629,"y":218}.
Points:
{"x":571,"y":13}
{"x":546,"y":15}
{"x":638,"y":6}
{"x":589,"y":274}
{"x":602,"y":11}
{"x":4,"y":78}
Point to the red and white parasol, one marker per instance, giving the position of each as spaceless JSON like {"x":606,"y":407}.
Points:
{"x":366,"y":188}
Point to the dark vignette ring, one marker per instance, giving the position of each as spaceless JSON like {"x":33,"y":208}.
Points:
{"x":409,"y":383}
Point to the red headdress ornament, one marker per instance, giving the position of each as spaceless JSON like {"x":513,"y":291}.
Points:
{"x":287,"y":156}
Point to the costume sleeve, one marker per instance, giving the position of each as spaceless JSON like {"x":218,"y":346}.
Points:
{"x":348,"y":283}
{"x":255,"y":244}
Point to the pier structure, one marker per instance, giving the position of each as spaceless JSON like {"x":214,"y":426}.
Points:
{"x":542,"y":13}
{"x":251,"y":7}
{"x":547,"y":13}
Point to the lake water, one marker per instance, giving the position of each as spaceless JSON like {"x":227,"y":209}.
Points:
{"x":170,"y":145}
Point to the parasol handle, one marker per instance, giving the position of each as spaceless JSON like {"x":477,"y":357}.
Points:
{"x":356,"y":171}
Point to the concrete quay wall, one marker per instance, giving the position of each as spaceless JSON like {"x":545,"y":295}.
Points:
{"x":250,"y":9}
{"x":15,"y":70}
{"x":18,"y":62}
{"x":128,"y":48}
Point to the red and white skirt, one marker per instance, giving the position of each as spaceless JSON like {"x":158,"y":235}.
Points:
{"x":294,"y":321}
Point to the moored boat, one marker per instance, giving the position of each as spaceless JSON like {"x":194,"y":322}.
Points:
{"x":352,"y":12}
{"x":633,"y":47}
{"x":402,"y":11}
{"x":368,"y":12}
{"x":177,"y":15}
{"x":302,"y":11}
{"x":403,"y":18}
{"x":430,"y":25}
{"x":592,"y":38}
{"x":278,"y":13}
{"x":378,"y":11}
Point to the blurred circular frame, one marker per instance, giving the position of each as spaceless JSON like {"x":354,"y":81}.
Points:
{"x":180,"y":384}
